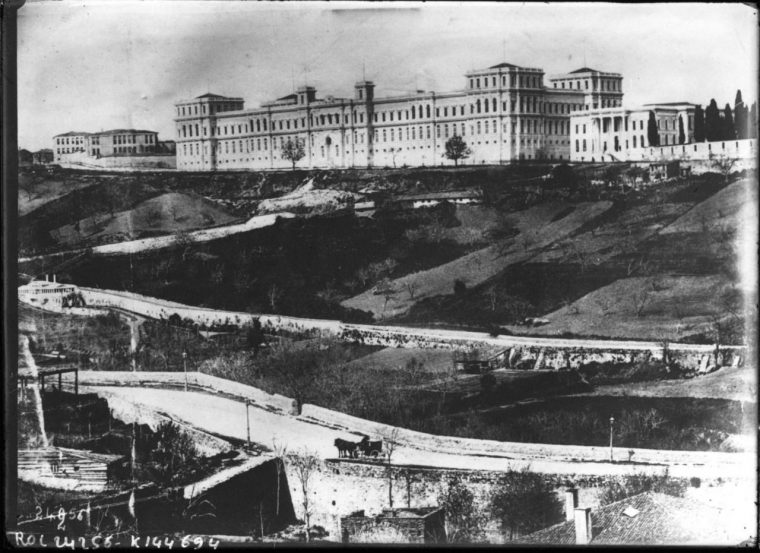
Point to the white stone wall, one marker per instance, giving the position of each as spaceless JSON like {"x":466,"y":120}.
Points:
{"x":555,"y":353}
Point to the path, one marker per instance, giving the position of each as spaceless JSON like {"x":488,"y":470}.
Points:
{"x":226,"y":416}
{"x":158,"y":242}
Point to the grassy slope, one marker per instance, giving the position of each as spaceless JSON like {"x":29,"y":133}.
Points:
{"x":162,"y":214}
{"x":655,"y":308}
{"x":736,"y":383}
{"x":537,"y":230}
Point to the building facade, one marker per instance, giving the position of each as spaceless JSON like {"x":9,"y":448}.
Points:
{"x":116,"y":142}
{"x":505,"y":113}
{"x":621,"y":134}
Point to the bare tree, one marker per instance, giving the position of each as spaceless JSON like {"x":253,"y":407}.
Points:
{"x":305,"y":463}
{"x":293,"y":151}
{"x":386,"y":289}
{"x":640,"y":299}
{"x":274,"y":294}
{"x":411,"y":288}
{"x":724,"y":164}
{"x":184,"y":242}
{"x":640,"y":265}
{"x":391,"y":443}
{"x":572,"y":251}
{"x":280,"y":451}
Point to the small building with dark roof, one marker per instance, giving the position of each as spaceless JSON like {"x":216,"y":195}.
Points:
{"x":420,"y":525}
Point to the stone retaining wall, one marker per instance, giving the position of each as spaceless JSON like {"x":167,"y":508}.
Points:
{"x":543,"y":352}
{"x":524,"y":451}
{"x":339,"y":488}
{"x":275,"y":402}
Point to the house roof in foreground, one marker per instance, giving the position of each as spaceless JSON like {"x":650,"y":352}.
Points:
{"x":648,"y":518}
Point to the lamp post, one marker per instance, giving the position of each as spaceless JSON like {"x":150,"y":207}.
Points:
{"x":248,"y":424}
{"x":184,"y":364}
{"x":612,"y":422}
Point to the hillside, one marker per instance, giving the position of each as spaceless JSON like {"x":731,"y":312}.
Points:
{"x":167,"y":213}
{"x":592,"y":260}
{"x":53,"y":197}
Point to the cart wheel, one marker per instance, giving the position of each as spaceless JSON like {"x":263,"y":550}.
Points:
{"x":375,"y":453}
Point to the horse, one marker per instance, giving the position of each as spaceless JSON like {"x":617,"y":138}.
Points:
{"x":345,"y":447}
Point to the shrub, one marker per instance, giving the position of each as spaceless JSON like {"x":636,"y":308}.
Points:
{"x":634,"y":484}
{"x":525,"y":503}
{"x":465,"y":523}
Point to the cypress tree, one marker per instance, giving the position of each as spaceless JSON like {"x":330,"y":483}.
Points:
{"x":752,"y":121}
{"x":681,"y":133}
{"x":699,"y":124}
{"x":740,"y":116}
{"x":729,"y":131}
{"x":712,"y":122}
{"x":652,"y":133}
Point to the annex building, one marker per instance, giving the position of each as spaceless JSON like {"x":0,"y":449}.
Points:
{"x":505,"y":113}
{"x":105,"y":143}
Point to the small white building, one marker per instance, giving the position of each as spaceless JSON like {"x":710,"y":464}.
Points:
{"x":45,"y":293}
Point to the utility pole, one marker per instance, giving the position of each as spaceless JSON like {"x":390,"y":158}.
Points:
{"x":612,"y":422}
{"x":184,"y":364}
{"x":248,"y":423}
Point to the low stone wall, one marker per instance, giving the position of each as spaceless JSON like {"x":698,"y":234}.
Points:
{"x":215,"y":384}
{"x":539,"y":453}
{"x":544,"y":352}
{"x":128,"y":412}
{"x":742,"y":150}
{"x":120,"y":163}
{"x":338,"y":489}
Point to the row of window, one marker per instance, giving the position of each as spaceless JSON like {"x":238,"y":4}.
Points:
{"x":530,"y":104}
{"x":637,"y":141}
{"x":519,"y":81}
{"x":605,"y":85}
{"x":69,"y":140}
{"x":215,"y":107}
{"x":529,"y":126}
{"x":132,"y":138}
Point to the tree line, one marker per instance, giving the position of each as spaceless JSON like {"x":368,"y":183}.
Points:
{"x":713,"y":124}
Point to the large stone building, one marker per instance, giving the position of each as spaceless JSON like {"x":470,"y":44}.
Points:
{"x":505,"y":113}
{"x":617,"y":133}
{"x":116,"y":142}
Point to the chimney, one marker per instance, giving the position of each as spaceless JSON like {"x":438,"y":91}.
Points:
{"x":53,"y":277}
{"x":583,"y":529}
{"x":571,"y":503}
{"x":46,"y":278}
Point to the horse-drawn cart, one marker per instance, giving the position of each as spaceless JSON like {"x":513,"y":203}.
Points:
{"x":363,"y":448}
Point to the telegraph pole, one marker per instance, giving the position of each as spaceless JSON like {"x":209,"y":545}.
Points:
{"x":612,"y":422}
{"x":248,"y":423}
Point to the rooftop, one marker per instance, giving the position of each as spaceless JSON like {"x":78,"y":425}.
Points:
{"x":43,"y":284}
{"x":123,"y":131}
{"x":648,"y":518}
{"x":502,"y":64}
{"x":210,"y":95}
{"x":670,"y":104}
{"x":72,"y":133}
{"x":585,"y":70}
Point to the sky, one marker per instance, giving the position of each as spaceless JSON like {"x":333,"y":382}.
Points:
{"x":94,"y":65}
